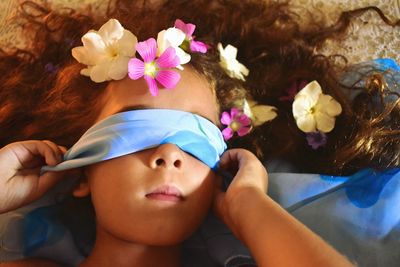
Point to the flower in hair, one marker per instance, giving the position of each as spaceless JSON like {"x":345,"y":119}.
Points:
{"x":173,"y":37}
{"x":236,"y":121}
{"x":229,"y":62}
{"x":258,"y":114}
{"x":189,"y":42}
{"x":106,"y":52}
{"x":316,"y":139}
{"x":154,"y":70}
{"x":315,"y":111}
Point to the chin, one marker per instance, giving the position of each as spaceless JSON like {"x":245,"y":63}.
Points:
{"x":172,"y":237}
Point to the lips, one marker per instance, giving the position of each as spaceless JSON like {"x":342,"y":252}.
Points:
{"x":166,"y":193}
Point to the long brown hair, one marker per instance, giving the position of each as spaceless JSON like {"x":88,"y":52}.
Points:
{"x":43,"y":96}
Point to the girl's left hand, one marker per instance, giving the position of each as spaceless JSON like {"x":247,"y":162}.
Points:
{"x":20,"y":179}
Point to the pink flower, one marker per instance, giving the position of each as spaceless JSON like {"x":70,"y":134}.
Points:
{"x":154,"y":70}
{"x":236,"y":121}
{"x":188,"y":29}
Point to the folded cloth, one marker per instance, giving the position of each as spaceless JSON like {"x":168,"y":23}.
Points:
{"x":136,"y":130}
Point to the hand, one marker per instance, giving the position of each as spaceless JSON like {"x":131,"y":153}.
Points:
{"x":251,"y":178}
{"x":20,"y":179}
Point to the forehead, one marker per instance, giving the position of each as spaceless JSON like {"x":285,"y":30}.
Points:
{"x":192,"y":94}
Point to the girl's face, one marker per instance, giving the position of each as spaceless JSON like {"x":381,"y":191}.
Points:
{"x":157,"y":196}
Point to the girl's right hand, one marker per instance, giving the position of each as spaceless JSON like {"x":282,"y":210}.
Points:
{"x":250,"y":177}
{"x":20,"y":179}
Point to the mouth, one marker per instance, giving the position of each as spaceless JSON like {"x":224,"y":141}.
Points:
{"x":166,"y":193}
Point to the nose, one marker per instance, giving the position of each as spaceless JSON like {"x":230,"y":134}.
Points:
{"x":168,"y":156}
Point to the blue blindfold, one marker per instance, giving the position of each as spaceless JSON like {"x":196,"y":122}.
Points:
{"x":132,"y":131}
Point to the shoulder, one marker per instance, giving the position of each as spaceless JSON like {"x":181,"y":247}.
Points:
{"x":30,"y":263}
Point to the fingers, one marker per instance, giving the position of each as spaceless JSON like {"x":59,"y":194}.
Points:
{"x":236,"y":156}
{"x":51,"y":153}
{"x":57,"y":152}
{"x":246,"y":167}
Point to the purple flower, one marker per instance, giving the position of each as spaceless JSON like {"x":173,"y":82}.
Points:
{"x":316,"y":139}
{"x":154,"y":70}
{"x":188,"y":29}
{"x":293,"y":90}
{"x":236,"y":121}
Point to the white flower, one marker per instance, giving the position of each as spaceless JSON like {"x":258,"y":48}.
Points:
{"x":229,"y":62}
{"x":314,"y":110}
{"x":258,"y":113}
{"x":173,"y":37}
{"x":106,"y":52}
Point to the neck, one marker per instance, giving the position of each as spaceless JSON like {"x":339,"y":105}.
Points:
{"x":112,"y":251}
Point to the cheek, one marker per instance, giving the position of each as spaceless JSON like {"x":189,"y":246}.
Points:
{"x":115,"y":194}
{"x":202,"y":194}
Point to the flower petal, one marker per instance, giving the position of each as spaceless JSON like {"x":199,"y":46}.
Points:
{"x":135,"y":68}
{"x":196,"y":46}
{"x":243,"y":131}
{"x":316,"y":139}
{"x":87,"y":71}
{"x":94,"y":49}
{"x":111,"y":31}
{"x":168,"y":59}
{"x":226,"y":118}
{"x":99,"y":72}
{"x":81,"y":54}
{"x":188,"y":28}
{"x":93,"y":43}
{"x":118,"y":68}
{"x":263,"y":113}
{"x":325,"y":123}
{"x":227,"y":133}
{"x":301,"y":106}
{"x":171,"y":37}
{"x":306,"y":123}
{"x":312,"y":91}
{"x":175,"y":37}
{"x":151,"y":82}
{"x":168,"y":78}
{"x":329,"y":105}
{"x":234,"y":113}
{"x":182,"y":55}
{"x":147,"y":49}
{"x":162,"y":42}
{"x":230,"y":52}
{"x":247,"y":108}
{"x":243,"y":120}
{"x":126,"y":45}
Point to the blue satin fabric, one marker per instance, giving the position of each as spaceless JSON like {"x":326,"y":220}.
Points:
{"x":132,"y":131}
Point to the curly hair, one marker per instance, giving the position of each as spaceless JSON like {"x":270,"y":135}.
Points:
{"x":43,"y":96}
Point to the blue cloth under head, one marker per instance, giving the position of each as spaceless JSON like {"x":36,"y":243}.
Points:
{"x":132,"y":131}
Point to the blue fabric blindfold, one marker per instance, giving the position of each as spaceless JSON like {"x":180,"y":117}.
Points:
{"x":132,"y":131}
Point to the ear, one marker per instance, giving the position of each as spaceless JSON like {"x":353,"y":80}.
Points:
{"x":82,"y":189}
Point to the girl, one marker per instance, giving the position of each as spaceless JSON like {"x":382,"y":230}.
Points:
{"x":274,"y":60}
